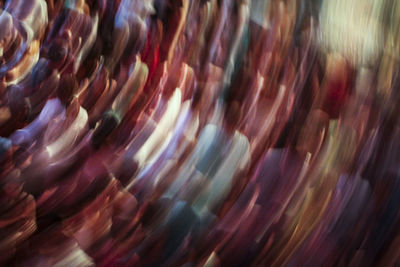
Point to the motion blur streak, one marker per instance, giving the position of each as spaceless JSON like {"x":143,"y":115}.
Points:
{"x":199,"y":133}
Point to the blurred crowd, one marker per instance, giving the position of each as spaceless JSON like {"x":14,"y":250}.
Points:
{"x":199,"y":133}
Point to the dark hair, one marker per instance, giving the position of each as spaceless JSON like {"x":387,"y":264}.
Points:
{"x":233,"y":113}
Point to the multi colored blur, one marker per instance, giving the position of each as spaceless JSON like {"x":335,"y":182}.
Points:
{"x":199,"y":133}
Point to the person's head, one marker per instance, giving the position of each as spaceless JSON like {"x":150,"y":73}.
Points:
{"x":232,"y":116}
{"x":58,"y":51}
